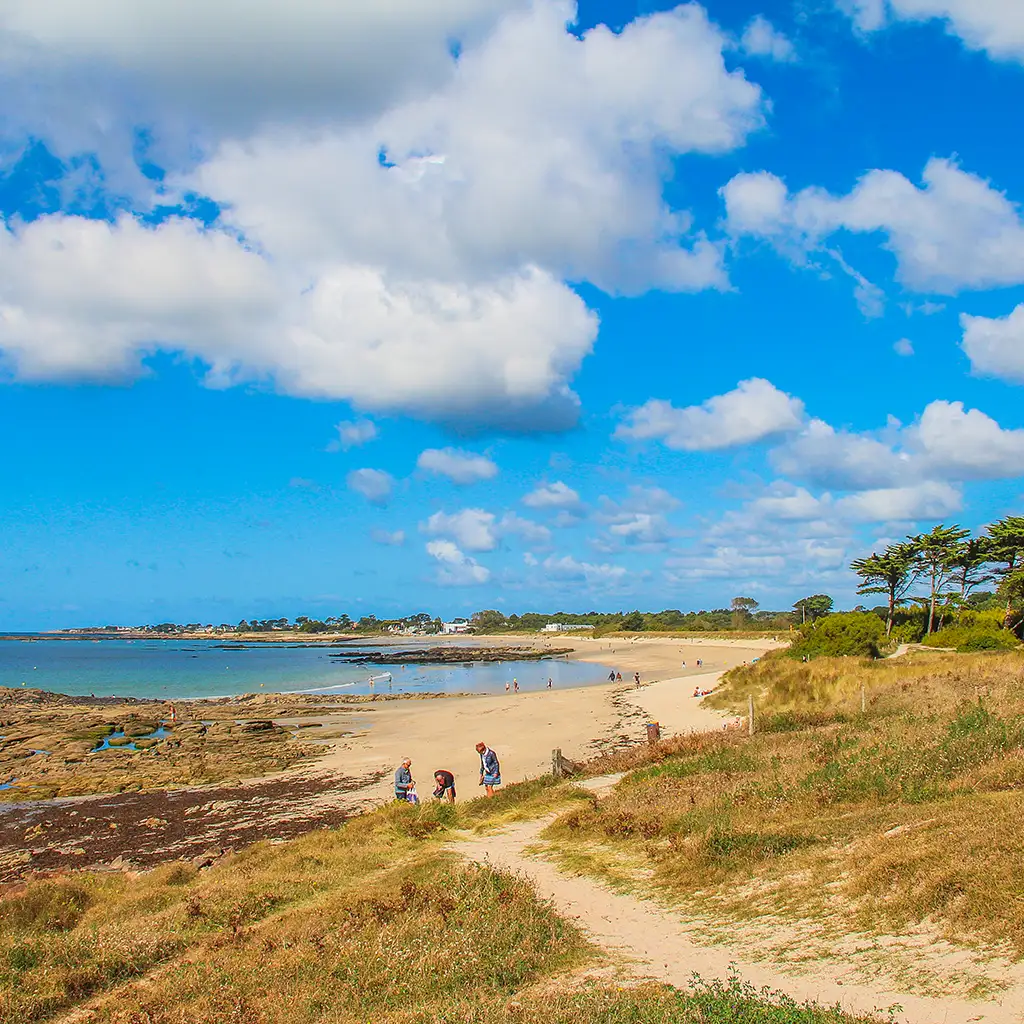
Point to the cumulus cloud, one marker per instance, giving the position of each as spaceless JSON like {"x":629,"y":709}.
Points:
{"x":352,"y":434}
{"x":527,"y":530}
{"x":930,"y":499}
{"x":903,"y":347}
{"x":762,"y":39}
{"x":954,"y":232}
{"x":995,"y":26}
{"x":558,"y":497}
{"x":947,"y":443}
{"x":221,"y":67}
{"x":568,"y":568}
{"x":535,"y":158}
{"x":755,"y":411}
{"x":459,"y":466}
{"x":995,"y":346}
{"x":471,"y":528}
{"x":456,"y":568}
{"x":373,"y":484}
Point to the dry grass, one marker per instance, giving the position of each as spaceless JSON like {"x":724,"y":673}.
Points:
{"x":910,"y":813}
{"x":372,"y":922}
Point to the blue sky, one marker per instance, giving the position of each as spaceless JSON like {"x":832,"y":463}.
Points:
{"x":492,"y":303}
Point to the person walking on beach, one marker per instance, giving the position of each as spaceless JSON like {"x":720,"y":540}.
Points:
{"x":636,"y":679}
{"x":403,"y":779}
{"x":490,"y":769}
{"x":515,"y":685}
{"x":549,"y":682}
{"x":611,"y":677}
{"x":444,"y":785}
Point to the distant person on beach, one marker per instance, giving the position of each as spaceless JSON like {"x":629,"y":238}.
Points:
{"x":515,"y":685}
{"x":490,"y":769}
{"x":618,"y":677}
{"x":700,"y":663}
{"x":549,"y":682}
{"x":403,"y":780}
{"x":508,"y":686}
{"x":444,"y":785}
{"x":636,"y":679}
{"x":611,"y":677}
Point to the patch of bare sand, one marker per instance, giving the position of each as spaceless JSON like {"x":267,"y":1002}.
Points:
{"x":658,"y":943}
{"x":524,"y":728}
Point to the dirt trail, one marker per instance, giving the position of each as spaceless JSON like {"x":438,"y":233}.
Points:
{"x":657,"y":943}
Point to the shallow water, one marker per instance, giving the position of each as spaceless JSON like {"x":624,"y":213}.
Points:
{"x":181,"y":669}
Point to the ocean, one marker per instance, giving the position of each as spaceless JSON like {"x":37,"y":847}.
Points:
{"x":184,"y":669}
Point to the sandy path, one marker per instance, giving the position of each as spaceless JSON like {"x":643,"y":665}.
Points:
{"x":658,"y":945}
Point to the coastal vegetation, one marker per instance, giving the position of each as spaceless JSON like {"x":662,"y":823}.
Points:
{"x":376,"y":920}
{"x":875,"y":798}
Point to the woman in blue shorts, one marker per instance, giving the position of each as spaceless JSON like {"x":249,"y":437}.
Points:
{"x":490,"y":769}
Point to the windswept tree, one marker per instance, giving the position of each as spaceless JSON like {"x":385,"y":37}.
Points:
{"x":970,"y":565}
{"x":893,"y":573}
{"x":934,"y":553}
{"x":813,"y":607}
{"x":1006,"y":539}
{"x":743,"y":609}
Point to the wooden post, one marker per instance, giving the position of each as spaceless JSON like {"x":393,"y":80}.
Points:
{"x":556,"y":762}
{"x":653,"y":733}
{"x":863,"y":700}
{"x":750,"y":716}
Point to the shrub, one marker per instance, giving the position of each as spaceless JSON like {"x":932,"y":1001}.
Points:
{"x":856,"y":634}
{"x":982,"y":637}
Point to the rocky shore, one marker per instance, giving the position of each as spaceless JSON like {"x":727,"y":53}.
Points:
{"x":449,"y":655}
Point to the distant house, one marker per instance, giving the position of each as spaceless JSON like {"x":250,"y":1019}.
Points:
{"x":456,"y":626}
{"x":561,"y":627}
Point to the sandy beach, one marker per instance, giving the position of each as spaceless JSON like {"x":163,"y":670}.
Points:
{"x":524,"y":728}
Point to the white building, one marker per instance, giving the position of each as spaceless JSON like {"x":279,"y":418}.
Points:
{"x":561,"y":627}
{"x":456,"y":626}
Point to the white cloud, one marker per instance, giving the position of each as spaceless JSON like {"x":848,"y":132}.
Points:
{"x":961,"y":444}
{"x":903,"y":347}
{"x":536,"y":158}
{"x":641,"y":528}
{"x":568,"y":568}
{"x":471,"y":528}
{"x":930,"y":499}
{"x":956,"y":232}
{"x":995,"y":347}
{"x":754,"y":411}
{"x":761,"y":39}
{"x":224,"y":66}
{"x":457,"y":568}
{"x":459,"y":466}
{"x":373,"y":484}
{"x":996,"y":26}
{"x":352,"y":434}
{"x":529,"y":531}
{"x":389,"y":538}
{"x":557,"y":496}
{"x":947,"y":444}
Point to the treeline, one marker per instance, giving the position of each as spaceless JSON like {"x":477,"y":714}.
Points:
{"x":939,"y":574}
{"x":744,"y":614}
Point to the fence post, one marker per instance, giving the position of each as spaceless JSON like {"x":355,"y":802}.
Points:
{"x":556,"y":762}
{"x":750,"y":716}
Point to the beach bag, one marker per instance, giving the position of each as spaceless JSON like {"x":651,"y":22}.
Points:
{"x":410,"y":795}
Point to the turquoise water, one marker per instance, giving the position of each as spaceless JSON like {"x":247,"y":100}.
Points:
{"x":180,"y":669}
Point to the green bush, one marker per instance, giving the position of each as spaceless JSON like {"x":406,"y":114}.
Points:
{"x":981,"y":637}
{"x":848,"y":634}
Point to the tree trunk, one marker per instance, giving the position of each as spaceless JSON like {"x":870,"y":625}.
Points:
{"x":931,"y":607}
{"x":892,"y":612}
